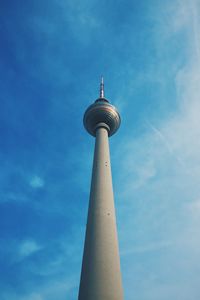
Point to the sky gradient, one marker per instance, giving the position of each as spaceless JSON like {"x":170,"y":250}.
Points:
{"x":52,"y":55}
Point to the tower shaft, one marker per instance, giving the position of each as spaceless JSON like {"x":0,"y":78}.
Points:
{"x":101,"y":276}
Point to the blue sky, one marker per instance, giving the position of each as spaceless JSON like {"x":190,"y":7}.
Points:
{"x":52,"y":55}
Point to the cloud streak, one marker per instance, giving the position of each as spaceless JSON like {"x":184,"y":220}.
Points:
{"x":28,"y":247}
{"x":162,"y":208}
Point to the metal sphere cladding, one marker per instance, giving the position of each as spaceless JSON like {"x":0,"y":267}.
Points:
{"x":101,"y":111}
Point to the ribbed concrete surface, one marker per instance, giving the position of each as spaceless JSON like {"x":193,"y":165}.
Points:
{"x":101,"y":276}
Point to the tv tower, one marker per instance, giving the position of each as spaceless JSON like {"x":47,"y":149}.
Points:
{"x":101,"y":275}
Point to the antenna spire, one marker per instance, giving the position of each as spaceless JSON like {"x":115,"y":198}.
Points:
{"x":102,"y":88}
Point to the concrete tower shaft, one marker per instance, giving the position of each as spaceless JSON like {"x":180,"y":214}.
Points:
{"x":100,"y":275}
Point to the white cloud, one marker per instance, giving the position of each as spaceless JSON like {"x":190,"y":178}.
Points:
{"x":36,"y":182}
{"x":194,"y":207}
{"x":34,"y":297}
{"x":167,"y":158}
{"x":151,"y":247}
{"x":28,"y":247}
{"x":59,"y":289}
{"x":82,"y":20}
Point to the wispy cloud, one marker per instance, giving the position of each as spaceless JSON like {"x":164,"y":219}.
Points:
{"x":164,"y":208}
{"x":34,"y":296}
{"x":152,"y":247}
{"x":36,"y":182}
{"x":28,"y":247}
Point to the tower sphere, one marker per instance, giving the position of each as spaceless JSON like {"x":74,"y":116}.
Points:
{"x":101,"y":114}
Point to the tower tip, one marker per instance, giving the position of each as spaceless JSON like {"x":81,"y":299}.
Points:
{"x":102,"y":88}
